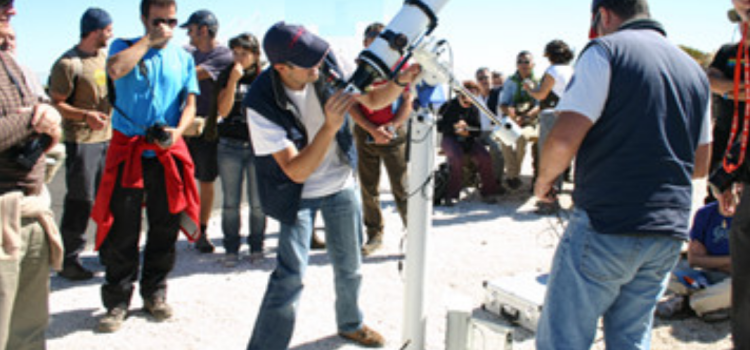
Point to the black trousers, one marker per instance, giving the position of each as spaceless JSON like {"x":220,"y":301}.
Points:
{"x":119,"y":252}
{"x":84,"y":164}
{"x":739,"y":246}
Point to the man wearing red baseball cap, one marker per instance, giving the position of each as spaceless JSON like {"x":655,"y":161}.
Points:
{"x":305,"y":157}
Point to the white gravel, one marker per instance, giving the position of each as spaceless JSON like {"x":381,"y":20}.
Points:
{"x":215,"y":307}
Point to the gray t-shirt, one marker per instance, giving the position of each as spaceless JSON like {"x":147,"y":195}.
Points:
{"x":213,"y":62}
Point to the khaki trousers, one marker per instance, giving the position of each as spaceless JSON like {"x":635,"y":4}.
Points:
{"x":24,"y":291}
{"x":370,"y":157}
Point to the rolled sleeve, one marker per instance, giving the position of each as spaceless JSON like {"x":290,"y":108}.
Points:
{"x":589,"y":87}
{"x":267,"y":137}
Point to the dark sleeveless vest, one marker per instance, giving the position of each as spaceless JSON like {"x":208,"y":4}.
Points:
{"x":635,"y":165}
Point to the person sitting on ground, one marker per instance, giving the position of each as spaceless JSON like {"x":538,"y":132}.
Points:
{"x":460,"y":125}
{"x":702,"y":282}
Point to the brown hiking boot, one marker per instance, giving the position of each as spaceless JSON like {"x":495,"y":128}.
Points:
{"x":374,"y":242}
{"x":158,"y":308}
{"x":366,"y":337}
{"x":112,"y":320}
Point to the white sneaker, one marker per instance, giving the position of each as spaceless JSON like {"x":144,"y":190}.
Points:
{"x":231,"y":260}
{"x":670,"y":307}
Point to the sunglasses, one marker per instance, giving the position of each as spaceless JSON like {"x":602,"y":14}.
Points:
{"x":172,"y":22}
{"x":482,"y":77}
{"x":523,"y":62}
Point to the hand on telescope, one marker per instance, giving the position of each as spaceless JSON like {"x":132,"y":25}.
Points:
{"x":336,"y":107}
{"x":409,"y":75}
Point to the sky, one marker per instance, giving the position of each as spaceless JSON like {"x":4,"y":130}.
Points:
{"x":485,"y":33}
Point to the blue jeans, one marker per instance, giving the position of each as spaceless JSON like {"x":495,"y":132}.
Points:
{"x":617,"y":277}
{"x":237,"y":162}
{"x":343,"y":228}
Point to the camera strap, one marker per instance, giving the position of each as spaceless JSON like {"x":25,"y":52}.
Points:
{"x":743,"y":59}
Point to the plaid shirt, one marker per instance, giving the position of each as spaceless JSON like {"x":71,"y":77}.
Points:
{"x":15,"y":129}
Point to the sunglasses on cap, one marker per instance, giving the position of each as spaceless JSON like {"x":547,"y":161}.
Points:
{"x":172,"y":22}
{"x":595,"y":19}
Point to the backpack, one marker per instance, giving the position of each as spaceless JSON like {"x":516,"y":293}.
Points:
{"x":440,"y":179}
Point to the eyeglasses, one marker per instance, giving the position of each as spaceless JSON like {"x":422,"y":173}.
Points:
{"x":523,"y":62}
{"x":172,"y":22}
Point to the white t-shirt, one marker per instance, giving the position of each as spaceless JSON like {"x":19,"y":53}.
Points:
{"x":562,"y":74}
{"x":589,"y":94}
{"x":333,"y":174}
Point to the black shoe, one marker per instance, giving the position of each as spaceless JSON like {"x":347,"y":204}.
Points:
{"x":204,"y":245}
{"x":501,"y":190}
{"x":514,"y":183}
{"x":75,"y":272}
{"x":544,"y":208}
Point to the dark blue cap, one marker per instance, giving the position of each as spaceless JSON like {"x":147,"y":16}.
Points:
{"x":202,"y":18}
{"x":94,"y":19}
{"x":294,"y":44}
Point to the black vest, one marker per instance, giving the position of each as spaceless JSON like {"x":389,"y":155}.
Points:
{"x":635,"y":165}
{"x":279,"y":195}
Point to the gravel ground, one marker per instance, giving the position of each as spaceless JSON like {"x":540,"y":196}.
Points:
{"x":215,"y":307}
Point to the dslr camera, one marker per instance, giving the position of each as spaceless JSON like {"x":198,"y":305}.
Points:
{"x":29,"y":152}
{"x":720,"y":179}
{"x":158,"y":135}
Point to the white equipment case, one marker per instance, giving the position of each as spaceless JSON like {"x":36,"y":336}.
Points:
{"x":517,"y":299}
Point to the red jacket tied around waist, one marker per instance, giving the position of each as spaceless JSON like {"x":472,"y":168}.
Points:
{"x":181,"y":188}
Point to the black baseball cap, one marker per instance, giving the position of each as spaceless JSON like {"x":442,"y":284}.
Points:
{"x":290,"y":43}
{"x":201,"y":18}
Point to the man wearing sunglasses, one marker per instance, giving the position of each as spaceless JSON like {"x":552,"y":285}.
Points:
{"x":155,"y":85}
{"x":305,"y":158}
{"x":520,"y":106}
{"x":210,"y":59}
{"x":30,"y":242}
{"x":635,"y":116}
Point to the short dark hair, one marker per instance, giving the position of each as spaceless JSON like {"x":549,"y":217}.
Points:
{"x":471,"y":85}
{"x":246,"y":41}
{"x":147,"y":4}
{"x":558,"y":52}
{"x":524,"y":53}
{"x":481,"y":69}
{"x":627,"y":9}
{"x":373,"y":30}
